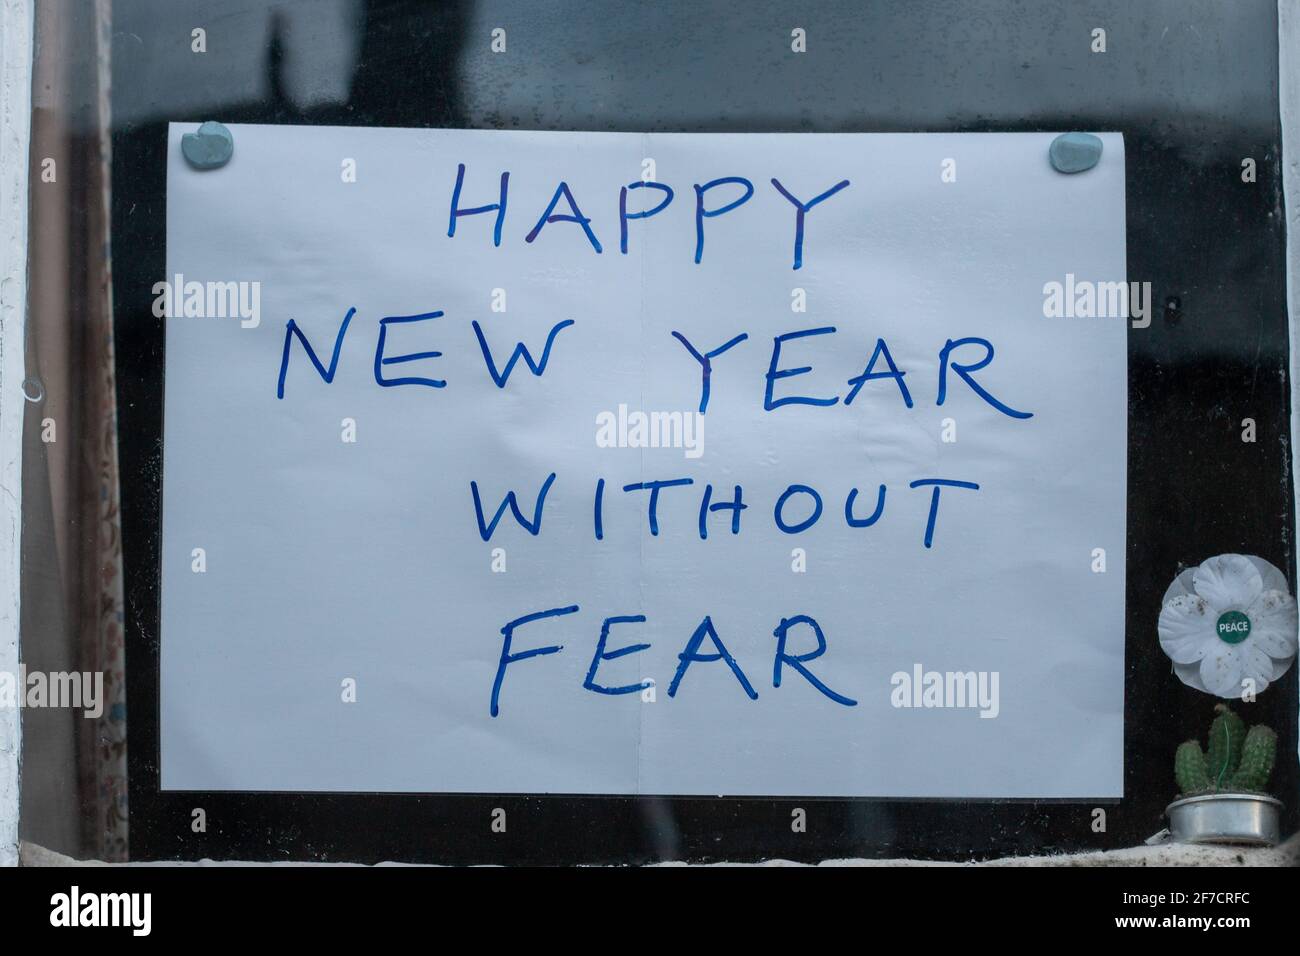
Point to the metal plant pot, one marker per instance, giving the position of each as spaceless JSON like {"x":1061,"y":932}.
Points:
{"x":1250,"y":818}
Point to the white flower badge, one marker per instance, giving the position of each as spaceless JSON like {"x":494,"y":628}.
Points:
{"x":1229,"y":621}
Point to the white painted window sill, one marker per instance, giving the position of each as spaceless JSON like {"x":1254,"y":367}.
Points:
{"x":1167,"y":854}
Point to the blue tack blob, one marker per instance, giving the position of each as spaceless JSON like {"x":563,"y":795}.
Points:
{"x":1075,"y":152}
{"x":210,"y":148}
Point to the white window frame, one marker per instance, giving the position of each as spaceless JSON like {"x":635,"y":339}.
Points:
{"x":17,"y":18}
{"x":1288,"y":90}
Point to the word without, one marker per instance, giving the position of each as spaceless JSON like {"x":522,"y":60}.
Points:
{"x":806,"y":495}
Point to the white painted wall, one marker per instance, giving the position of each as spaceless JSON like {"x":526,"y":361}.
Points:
{"x":16,"y":18}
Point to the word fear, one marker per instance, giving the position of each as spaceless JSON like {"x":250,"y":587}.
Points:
{"x":694,"y":652}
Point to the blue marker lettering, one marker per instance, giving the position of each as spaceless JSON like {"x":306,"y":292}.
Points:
{"x":521,"y":351}
{"x":486,"y":529}
{"x":934,"y":499}
{"x":801,"y":209}
{"x":806,"y":523}
{"x":602,"y":655}
{"x":290,"y":330}
{"x":797,"y":661}
{"x":701,"y":213}
{"x":457,"y":212}
{"x":691,"y":655}
{"x":653,"y":487}
{"x":882,"y":351}
{"x":381,"y":361}
{"x":578,"y":217}
{"x":965,"y":370}
{"x":863,"y":522}
{"x":624,"y":216}
{"x":706,"y":363}
{"x":735,"y":506}
{"x":773,"y":374}
{"x":508,"y":633}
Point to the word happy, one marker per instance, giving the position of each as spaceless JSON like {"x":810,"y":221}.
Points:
{"x":715,"y":198}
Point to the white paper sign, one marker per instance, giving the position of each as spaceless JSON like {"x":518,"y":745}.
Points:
{"x":811,"y":497}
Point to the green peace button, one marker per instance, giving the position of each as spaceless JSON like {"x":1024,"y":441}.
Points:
{"x":1233,"y":627}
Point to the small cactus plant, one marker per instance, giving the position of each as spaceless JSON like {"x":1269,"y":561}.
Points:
{"x":1236,"y":759}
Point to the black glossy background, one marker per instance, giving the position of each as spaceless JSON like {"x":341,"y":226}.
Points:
{"x":1191,"y":84}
